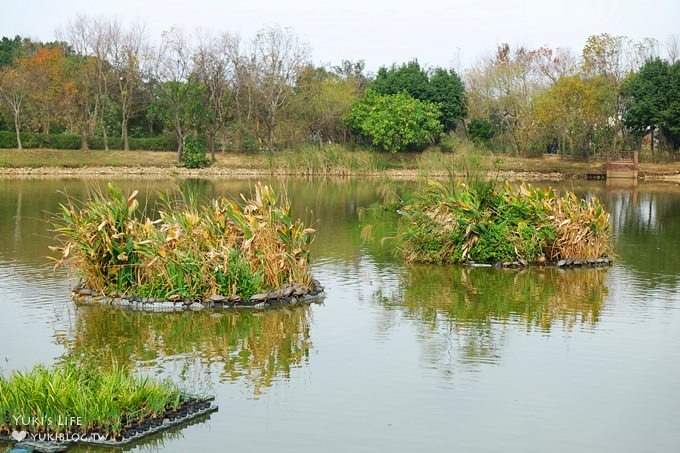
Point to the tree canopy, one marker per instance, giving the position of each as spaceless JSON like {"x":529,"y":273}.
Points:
{"x":395,"y":122}
{"x":440,"y":86}
{"x":653,"y":101}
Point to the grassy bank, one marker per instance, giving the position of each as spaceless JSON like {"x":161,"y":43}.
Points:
{"x":310,"y":160}
{"x":190,"y":252}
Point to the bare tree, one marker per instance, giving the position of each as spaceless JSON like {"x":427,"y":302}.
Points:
{"x":214,"y":67}
{"x":275,"y":60}
{"x":129,"y":51}
{"x":90,"y":39}
{"x":178,"y":93}
{"x":13,"y":91}
{"x":549,"y":65}
{"x":672,"y":45}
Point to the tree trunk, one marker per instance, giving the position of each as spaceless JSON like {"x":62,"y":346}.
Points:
{"x":211,"y":144}
{"x":124,"y":129}
{"x":17,"y":128}
{"x":180,"y":143}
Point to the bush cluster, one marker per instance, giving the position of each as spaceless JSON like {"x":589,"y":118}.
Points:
{"x":8,"y":139}
{"x":194,"y":154}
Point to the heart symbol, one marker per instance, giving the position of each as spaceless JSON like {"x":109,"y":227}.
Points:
{"x":18,"y":435}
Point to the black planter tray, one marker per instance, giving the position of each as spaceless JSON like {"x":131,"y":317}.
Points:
{"x":48,"y":446}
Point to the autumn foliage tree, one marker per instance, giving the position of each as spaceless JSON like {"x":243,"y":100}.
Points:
{"x":576,"y":110}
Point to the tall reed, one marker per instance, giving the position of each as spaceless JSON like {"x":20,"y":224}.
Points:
{"x":486,"y":222}
{"x":189,"y":251}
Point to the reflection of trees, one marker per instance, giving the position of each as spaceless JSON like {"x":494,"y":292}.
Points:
{"x":463,"y":313}
{"x":646,"y":221}
{"x":257,"y":346}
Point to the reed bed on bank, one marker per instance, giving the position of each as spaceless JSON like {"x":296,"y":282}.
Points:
{"x":487,"y":222}
{"x":328,"y":160}
{"x":190,"y":251}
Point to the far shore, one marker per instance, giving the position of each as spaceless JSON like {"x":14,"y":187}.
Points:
{"x":157,"y":164}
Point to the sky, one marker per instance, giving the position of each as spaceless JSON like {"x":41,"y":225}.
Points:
{"x":454,"y":34}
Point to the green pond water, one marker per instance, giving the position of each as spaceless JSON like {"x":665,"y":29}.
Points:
{"x":396,"y":358}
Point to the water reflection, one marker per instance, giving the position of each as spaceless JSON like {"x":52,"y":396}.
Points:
{"x":463,"y":313}
{"x":646,"y":222}
{"x":257,"y":347}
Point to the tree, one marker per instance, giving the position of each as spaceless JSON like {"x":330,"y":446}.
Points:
{"x":441,"y":86}
{"x":501,"y":90}
{"x":652,"y":101}
{"x":128,"y":51}
{"x":182,"y":106}
{"x":92,"y":42}
{"x":179,"y":96}
{"x":13,"y":90}
{"x":49,"y":88}
{"x":213,"y":68}
{"x":322,"y":100}
{"x":275,"y":61}
{"x":10,"y":50}
{"x":409,"y":78}
{"x":447,"y":91}
{"x":353,"y":71}
{"x":395,"y":122}
{"x":576,"y":110}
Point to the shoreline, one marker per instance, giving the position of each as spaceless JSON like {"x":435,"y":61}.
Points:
{"x":163,"y":172}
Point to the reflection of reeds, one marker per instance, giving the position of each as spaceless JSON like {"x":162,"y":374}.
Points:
{"x":256,"y":346}
{"x":190,"y":252}
{"x":536,"y":297}
{"x":463,"y":315}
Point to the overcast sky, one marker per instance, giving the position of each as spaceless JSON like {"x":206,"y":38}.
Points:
{"x":449,"y":33}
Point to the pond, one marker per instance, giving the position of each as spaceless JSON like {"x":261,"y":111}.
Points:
{"x":396,"y":358}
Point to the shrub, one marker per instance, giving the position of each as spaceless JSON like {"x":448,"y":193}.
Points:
{"x":194,"y":154}
{"x":481,"y":131}
{"x":8,"y":139}
{"x":395,"y":122}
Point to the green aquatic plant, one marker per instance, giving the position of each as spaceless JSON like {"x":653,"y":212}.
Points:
{"x":69,"y":398}
{"x":486,"y":222}
{"x":190,"y":251}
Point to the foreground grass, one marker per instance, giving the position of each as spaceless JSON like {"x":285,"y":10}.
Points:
{"x":79,"y":400}
{"x":190,"y":252}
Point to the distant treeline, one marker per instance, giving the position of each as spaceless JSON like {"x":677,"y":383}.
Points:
{"x":103,"y":86}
